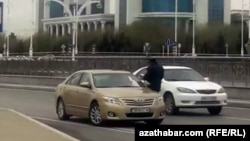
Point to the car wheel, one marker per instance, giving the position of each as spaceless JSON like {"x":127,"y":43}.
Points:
{"x":154,"y":122}
{"x":61,"y":112}
{"x":214,"y":110}
{"x":95,"y":114}
{"x":171,"y":109}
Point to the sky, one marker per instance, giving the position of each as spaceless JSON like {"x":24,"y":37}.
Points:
{"x":237,"y":4}
{"x":19,"y":18}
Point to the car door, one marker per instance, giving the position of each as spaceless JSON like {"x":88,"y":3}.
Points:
{"x":70,"y":92}
{"x":84,"y":96}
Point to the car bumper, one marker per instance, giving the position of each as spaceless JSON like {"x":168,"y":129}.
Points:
{"x":117,"y":112}
{"x":200,"y":100}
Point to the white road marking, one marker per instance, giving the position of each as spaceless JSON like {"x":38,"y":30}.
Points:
{"x":122,"y":130}
{"x":45,"y":126}
{"x":236,"y":118}
{"x":25,"y":90}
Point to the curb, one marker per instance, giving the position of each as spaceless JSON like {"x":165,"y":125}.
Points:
{"x":52,"y":89}
{"x":27,"y":87}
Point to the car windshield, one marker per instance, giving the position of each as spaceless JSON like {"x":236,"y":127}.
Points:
{"x":182,"y":75}
{"x":112,"y":80}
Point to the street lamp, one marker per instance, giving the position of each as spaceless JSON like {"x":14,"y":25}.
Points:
{"x":76,"y":13}
{"x":179,"y":49}
{"x":76,"y":25}
{"x":8,"y":46}
{"x":194,"y":20}
{"x":242,"y":29}
{"x":176,"y":20}
{"x":146,"y":48}
{"x":226,"y":49}
{"x":31,"y":47}
{"x":31,"y":37}
{"x":249,"y":19}
{"x":4,"y":49}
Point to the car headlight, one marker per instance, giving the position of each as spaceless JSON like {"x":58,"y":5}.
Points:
{"x":159,"y":100}
{"x":222,"y":90}
{"x":112,"y":100}
{"x":185,"y":90}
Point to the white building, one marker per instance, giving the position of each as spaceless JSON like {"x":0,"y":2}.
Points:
{"x":119,"y":13}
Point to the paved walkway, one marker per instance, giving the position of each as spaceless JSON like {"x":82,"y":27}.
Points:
{"x":15,"y":126}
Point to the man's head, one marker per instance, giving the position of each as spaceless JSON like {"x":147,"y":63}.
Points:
{"x":152,"y":61}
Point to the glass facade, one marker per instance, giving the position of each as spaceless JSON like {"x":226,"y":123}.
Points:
{"x":96,"y":10}
{"x":56,"y":10}
{"x":166,"y":5}
{"x":215,"y":11}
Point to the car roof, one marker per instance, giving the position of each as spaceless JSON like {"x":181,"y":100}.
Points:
{"x":176,"y":67}
{"x":101,"y":71}
{"x":172,"y":67}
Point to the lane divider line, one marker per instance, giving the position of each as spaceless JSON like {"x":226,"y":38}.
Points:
{"x":26,"y":90}
{"x":85,"y":125}
{"x":45,"y":126}
{"x":236,"y":118}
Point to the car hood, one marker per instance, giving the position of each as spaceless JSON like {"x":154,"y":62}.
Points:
{"x":195,"y":85}
{"x":127,"y":92}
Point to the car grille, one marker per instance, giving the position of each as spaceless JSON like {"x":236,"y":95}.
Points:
{"x":140,"y":115}
{"x":142,"y":102}
{"x":206,"y":91}
{"x":207,"y":102}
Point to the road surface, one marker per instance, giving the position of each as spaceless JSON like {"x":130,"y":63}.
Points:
{"x":40,"y":106}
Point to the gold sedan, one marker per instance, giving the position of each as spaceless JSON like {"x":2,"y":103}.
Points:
{"x":102,"y":95}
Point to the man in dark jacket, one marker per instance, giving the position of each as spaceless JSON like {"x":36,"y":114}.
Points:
{"x":154,"y":75}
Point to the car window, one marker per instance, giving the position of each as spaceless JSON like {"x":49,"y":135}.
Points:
{"x":182,"y":75}
{"x":75,"y":79}
{"x":111,"y":80}
{"x":85,"y":78}
{"x":143,"y":71}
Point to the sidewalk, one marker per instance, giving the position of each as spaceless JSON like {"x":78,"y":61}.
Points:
{"x":18,"y":127}
{"x":231,"y":102}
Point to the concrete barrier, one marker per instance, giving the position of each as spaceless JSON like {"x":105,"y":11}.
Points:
{"x":31,"y":80}
{"x":241,"y":93}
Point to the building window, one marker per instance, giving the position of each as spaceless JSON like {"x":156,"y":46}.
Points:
{"x":216,"y":11}
{"x":166,"y":5}
{"x":56,"y":10}
{"x":95,"y":10}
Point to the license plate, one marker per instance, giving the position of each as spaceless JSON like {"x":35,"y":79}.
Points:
{"x":140,"y":110}
{"x":208,"y":98}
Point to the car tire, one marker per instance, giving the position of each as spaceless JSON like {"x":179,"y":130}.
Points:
{"x":171,"y":109}
{"x":214,"y":110}
{"x":95,"y":114}
{"x":60,"y":110}
{"x":154,"y":121}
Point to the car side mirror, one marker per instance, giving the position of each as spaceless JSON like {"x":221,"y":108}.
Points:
{"x":85,"y":85}
{"x":206,"y":78}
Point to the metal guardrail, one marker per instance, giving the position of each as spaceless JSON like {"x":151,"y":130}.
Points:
{"x":225,"y":71}
{"x":83,"y":54}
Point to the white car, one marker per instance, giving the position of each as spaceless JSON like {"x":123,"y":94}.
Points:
{"x":183,"y":87}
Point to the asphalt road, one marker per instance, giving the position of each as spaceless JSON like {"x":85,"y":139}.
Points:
{"x":40,"y":105}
